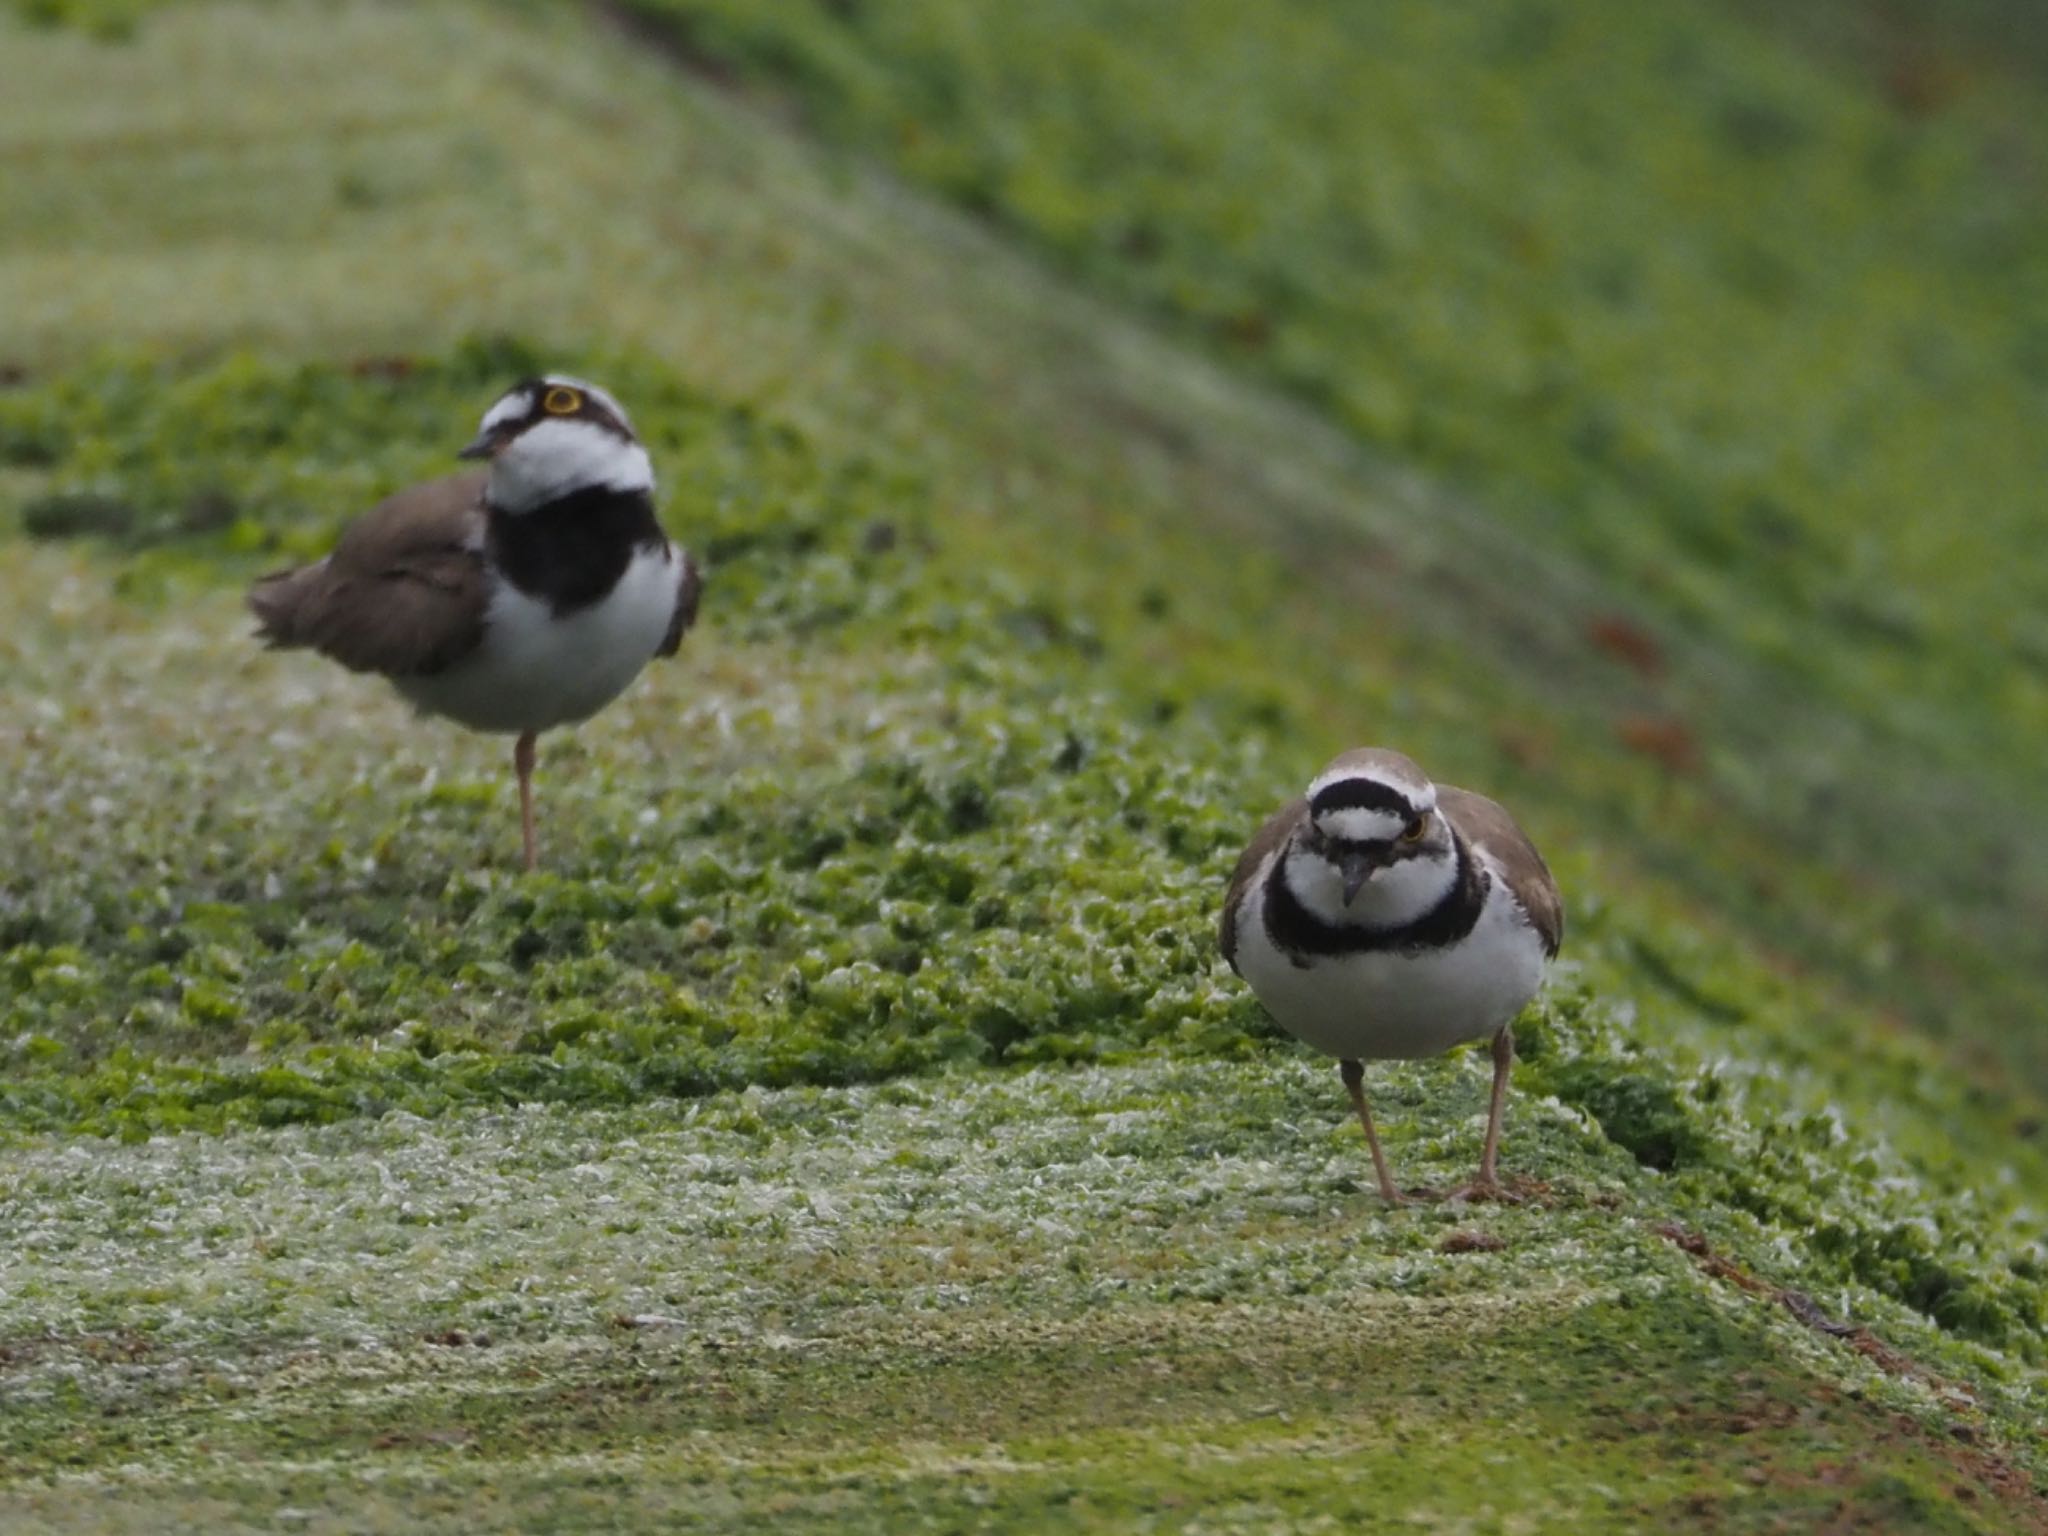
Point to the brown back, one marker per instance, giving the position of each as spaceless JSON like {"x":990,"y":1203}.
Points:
{"x":1487,"y":825}
{"x":404,"y":593}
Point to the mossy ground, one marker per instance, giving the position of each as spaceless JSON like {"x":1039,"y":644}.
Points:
{"x":894,"y":1149}
{"x":1076,"y":1296}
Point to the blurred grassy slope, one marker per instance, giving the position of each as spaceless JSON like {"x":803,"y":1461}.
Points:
{"x":1926,"y":53}
{"x":957,"y":795}
{"x":1744,"y":336}
{"x":1758,"y":345}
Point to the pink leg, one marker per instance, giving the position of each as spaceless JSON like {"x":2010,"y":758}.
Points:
{"x":1488,"y":1186}
{"x":1354,"y":1082}
{"x":522,"y":760}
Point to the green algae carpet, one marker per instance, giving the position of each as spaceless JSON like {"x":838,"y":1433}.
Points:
{"x":850,"y":1127}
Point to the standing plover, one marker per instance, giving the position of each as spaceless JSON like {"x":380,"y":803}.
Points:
{"x":514,"y":598}
{"x":1382,"y":916}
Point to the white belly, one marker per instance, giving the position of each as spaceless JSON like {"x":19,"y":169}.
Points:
{"x":1384,"y":1004}
{"x":534,"y":671}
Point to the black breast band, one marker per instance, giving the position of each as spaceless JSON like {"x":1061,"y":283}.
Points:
{"x":571,"y":552}
{"x":1298,"y":932}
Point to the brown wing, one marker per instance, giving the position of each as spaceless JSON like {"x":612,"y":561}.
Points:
{"x":689,"y":587}
{"x":1278,"y":828}
{"x":404,"y":593}
{"x":1487,"y":825}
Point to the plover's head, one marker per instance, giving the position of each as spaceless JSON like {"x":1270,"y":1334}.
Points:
{"x":552,"y":436}
{"x":1373,"y":848}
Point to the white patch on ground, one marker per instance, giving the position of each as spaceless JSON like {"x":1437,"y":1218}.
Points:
{"x":801,"y":1213}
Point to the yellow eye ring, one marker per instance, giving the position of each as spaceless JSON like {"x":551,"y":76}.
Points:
{"x":561,"y":402}
{"x":1412,"y":833}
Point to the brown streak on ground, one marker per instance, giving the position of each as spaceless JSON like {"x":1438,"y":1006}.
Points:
{"x":1963,"y":1444}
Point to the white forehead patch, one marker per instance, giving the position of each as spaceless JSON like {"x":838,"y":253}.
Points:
{"x":509,"y":408}
{"x":1357,"y":824}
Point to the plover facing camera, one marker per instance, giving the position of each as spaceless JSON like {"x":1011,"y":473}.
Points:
{"x":1381,"y":916}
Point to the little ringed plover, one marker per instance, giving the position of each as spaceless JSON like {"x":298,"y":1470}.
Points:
{"x":1381,"y":916}
{"x":514,"y":598}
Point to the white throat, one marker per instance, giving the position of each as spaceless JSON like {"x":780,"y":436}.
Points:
{"x":1394,"y":897}
{"x":553,"y":459}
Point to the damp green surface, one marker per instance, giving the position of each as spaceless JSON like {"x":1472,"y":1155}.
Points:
{"x":1077,"y":1297}
{"x":851,"y":1125}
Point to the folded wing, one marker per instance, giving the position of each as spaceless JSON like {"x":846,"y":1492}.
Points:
{"x":689,"y":587}
{"x":1487,"y":824}
{"x":405,"y":592}
{"x":1278,"y":828}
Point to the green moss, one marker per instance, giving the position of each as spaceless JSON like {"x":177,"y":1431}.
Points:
{"x":821,"y":1302}
{"x":1640,"y":1112}
{"x":107,"y":20}
{"x":710,"y":1168}
{"x":1008,"y":870}
{"x":842,"y":919}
